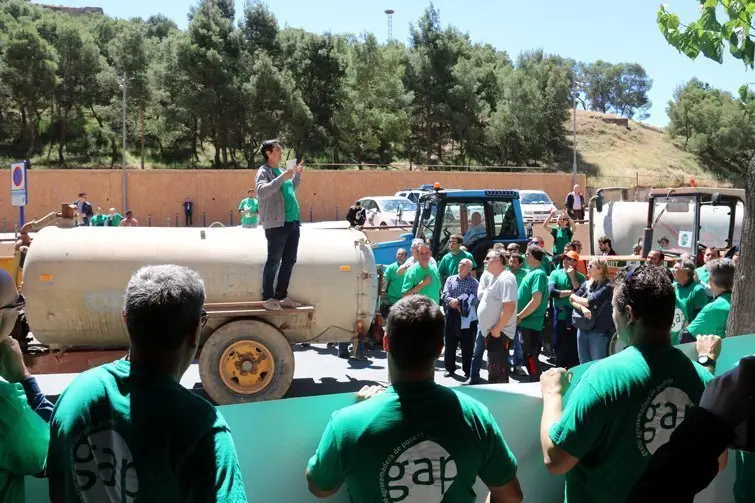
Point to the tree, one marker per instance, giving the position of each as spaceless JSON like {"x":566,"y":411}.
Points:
{"x":620,"y":88}
{"x":28,"y":71}
{"x":709,"y":36}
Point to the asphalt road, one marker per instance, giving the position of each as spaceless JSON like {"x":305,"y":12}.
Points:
{"x":319,"y":371}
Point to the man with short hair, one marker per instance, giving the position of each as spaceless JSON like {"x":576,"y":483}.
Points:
{"x":356,"y":215}
{"x":129,"y":221}
{"x":459,"y":298}
{"x":531,"y":310}
{"x":702,"y":272}
{"x":690,"y":293}
{"x":99,"y":219}
{"x":575,"y":203}
{"x":449,"y":264}
{"x":605,"y":245}
{"x":713,"y":317}
{"x":24,"y":410}
{"x":423,"y":277}
{"x":114,"y":218}
{"x":417,"y":440}
{"x":167,"y":443}
{"x":627,"y":405}
{"x":656,"y":257}
{"x":561,"y":284}
{"x":392,"y":283}
{"x":84,"y":210}
{"x":496,"y":326}
{"x":249,"y":210}
{"x":546,"y":263}
{"x":513,"y":248}
{"x":414,"y":254}
{"x":516,"y":266}
{"x":279,"y":215}
{"x":476,"y":228}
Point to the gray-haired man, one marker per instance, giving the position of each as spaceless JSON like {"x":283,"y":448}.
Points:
{"x":414,"y":250}
{"x":128,"y":430}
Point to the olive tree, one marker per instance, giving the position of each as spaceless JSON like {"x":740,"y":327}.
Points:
{"x":709,"y":35}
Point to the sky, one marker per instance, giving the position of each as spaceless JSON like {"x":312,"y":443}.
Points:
{"x":586,"y":30}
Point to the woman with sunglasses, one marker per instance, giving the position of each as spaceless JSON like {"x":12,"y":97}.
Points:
{"x":592,"y":314}
{"x":562,"y":233}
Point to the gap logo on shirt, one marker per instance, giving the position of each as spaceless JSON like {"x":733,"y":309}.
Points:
{"x":417,"y":471}
{"x":104,"y":468}
{"x":665,"y":408}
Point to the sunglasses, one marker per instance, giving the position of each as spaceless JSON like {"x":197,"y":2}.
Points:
{"x":203,"y":318}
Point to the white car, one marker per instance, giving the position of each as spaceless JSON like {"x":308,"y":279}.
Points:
{"x":388,"y":210}
{"x":536,"y":205}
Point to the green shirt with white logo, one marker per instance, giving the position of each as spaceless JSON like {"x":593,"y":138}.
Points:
{"x":619,"y":413}
{"x":290,"y":203}
{"x":535,"y":281}
{"x":449,"y":264}
{"x":416,"y":274}
{"x":249,"y":209}
{"x":693,"y":297}
{"x":393,"y":448}
{"x":561,"y":281}
{"x":680,"y":321}
{"x":394,"y":283}
{"x":713,"y":317}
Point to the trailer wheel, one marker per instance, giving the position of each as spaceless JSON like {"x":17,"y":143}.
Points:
{"x":246,"y":361}
{"x":615,"y":345}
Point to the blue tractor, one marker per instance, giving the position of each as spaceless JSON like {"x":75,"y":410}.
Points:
{"x":482,"y":217}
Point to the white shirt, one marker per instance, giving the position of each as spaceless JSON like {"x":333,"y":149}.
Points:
{"x":577,"y":202}
{"x":493,"y":291}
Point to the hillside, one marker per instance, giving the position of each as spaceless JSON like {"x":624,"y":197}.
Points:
{"x":620,"y":152}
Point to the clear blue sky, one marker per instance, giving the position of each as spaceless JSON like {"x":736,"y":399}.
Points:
{"x":586,"y":30}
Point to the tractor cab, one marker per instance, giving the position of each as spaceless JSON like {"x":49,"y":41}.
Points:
{"x":481,"y":217}
{"x":694,"y":219}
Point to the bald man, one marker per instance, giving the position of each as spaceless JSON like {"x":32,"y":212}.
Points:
{"x":575,"y":204}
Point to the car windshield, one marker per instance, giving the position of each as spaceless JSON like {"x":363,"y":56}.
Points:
{"x":535,"y":198}
{"x":393,"y":205}
{"x":674,"y":224}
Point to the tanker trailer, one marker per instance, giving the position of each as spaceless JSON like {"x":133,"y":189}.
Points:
{"x":74,"y":280}
{"x":624,"y":222}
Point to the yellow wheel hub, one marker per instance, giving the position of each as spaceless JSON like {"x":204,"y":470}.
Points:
{"x":247,"y":367}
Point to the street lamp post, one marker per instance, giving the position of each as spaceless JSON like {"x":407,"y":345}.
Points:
{"x":574,"y":131}
{"x":123,"y":176}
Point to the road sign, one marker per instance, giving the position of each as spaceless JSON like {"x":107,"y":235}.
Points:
{"x":18,"y":189}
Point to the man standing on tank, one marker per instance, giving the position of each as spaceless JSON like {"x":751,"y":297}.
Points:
{"x":279,"y":215}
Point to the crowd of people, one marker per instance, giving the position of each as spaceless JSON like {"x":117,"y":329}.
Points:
{"x":86,"y":215}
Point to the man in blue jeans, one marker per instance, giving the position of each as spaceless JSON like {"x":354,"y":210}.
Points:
{"x":279,"y":215}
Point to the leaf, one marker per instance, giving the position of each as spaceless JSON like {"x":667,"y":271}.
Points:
{"x":708,"y":19}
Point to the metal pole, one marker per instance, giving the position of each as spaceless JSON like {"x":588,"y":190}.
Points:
{"x":574,"y":128}
{"x":123,"y":176}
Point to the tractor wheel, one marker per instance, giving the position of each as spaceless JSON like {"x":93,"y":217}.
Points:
{"x":246,"y":361}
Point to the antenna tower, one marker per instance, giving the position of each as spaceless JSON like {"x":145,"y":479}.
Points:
{"x":389,"y":13}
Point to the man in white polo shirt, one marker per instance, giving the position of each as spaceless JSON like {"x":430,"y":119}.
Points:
{"x":496,"y":316}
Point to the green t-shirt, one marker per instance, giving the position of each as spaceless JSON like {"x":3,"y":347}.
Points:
{"x":98,"y":220}
{"x":116,"y":220}
{"x":693,"y":297}
{"x":619,"y":413}
{"x":449,"y":264}
{"x":680,"y":321}
{"x":560,"y":281}
{"x":289,"y":198}
{"x":561,"y":238}
{"x":546,"y":265}
{"x":519,"y":275}
{"x":249,"y":204}
{"x":702,"y":274}
{"x":122,"y":433}
{"x":393,"y":448}
{"x":416,"y":274}
{"x":394,"y":283}
{"x":24,"y":446}
{"x":535,"y":281}
{"x":713,"y":317}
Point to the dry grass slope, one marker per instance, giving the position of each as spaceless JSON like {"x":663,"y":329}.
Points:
{"x":625,"y":154}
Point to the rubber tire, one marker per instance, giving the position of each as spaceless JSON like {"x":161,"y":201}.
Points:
{"x":239,"y":330}
{"x":615,"y":345}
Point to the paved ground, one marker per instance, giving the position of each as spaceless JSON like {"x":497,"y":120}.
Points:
{"x":319,"y":371}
